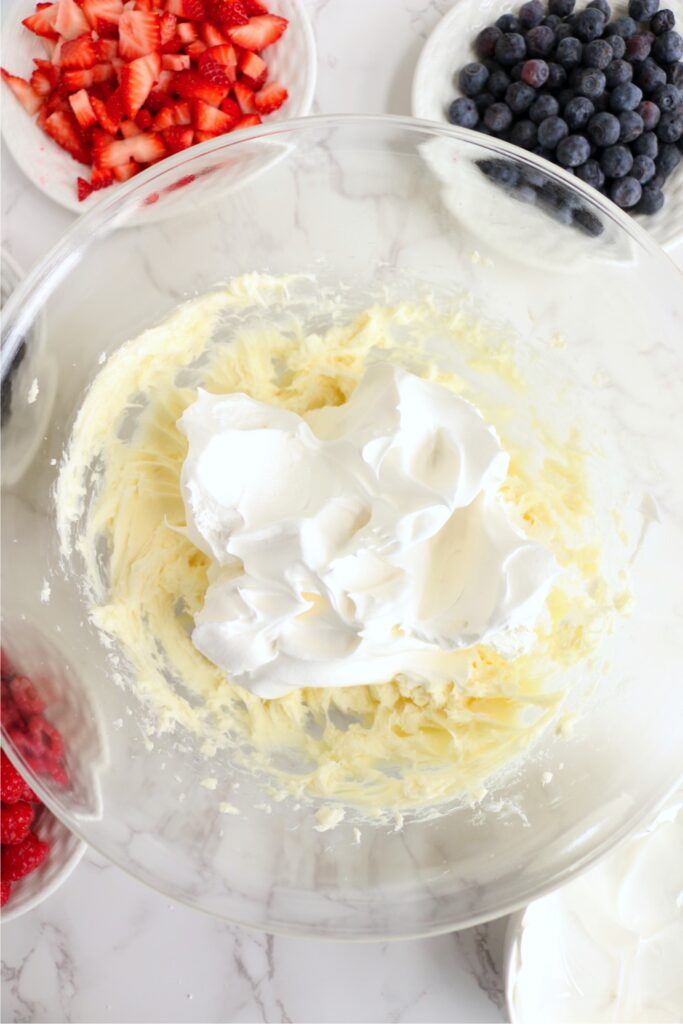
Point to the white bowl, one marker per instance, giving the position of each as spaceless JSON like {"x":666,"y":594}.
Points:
{"x":291,"y":61}
{"x":451,"y":45}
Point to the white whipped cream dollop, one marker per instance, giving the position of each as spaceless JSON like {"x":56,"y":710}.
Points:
{"x":354,"y":543}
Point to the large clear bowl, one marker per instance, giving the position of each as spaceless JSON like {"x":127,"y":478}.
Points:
{"x":368,"y":204}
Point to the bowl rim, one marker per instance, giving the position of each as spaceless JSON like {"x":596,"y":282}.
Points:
{"x":47,"y":274}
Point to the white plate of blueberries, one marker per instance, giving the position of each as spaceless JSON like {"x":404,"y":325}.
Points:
{"x":596,"y":88}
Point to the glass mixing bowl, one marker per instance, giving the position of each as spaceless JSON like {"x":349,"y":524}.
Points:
{"x":369,"y":205}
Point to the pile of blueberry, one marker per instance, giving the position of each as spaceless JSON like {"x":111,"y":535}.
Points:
{"x":603,"y":98}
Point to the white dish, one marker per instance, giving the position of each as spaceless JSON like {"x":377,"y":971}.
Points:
{"x":291,"y":61}
{"x":451,"y":45}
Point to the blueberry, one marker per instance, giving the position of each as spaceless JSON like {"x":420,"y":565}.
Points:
{"x":623,"y":27}
{"x":569,"y":52}
{"x":674,"y":75}
{"x":553,"y":21}
{"x":649,"y":76}
{"x":663,"y":21}
{"x":658,"y":181}
{"x":573,"y":151}
{"x":619,"y":72}
{"x":535,"y":73}
{"x":472,"y":79}
{"x":552,"y":131}
{"x":519,"y":97}
{"x":643,"y":169}
{"x":603,"y":129}
{"x":498,"y":83}
{"x":650,"y":114}
{"x":590,"y":24}
{"x":541,"y":41}
{"x":498,"y":117}
{"x":652,"y":200}
{"x":668,"y":160}
{"x":578,"y":113}
{"x":563,"y":8}
{"x":631,"y":126}
{"x":638,"y":46}
{"x":618,"y":46}
{"x":616,"y":161}
{"x":670,"y":127}
{"x":531,"y":14}
{"x":510,"y":49}
{"x":524,"y":134}
{"x":626,"y":192}
{"x":591,"y":172}
{"x":601,"y":102}
{"x":591,"y":82}
{"x":601,"y":5}
{"x":597,"y":54}
{"x":503,"y":172}
{"x":564,"y":31}
{"x":668,"y":48}
{"x":508,"y":23}
{"x":483,"y":101}
{"x":516,"y":71}
{"x":642,"y":10}
{"x":534,"y":176}
{"x":625,"y":97}
{"x":646,"y":145}
{"x":557,"y":77}
{"x":587,"y":222}
{"x":667,"y":97}
{"x":485,"y":43}
{"x":542,"y":107}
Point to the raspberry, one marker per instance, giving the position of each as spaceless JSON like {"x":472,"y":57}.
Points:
{"x":11,"y":783}
{"x":26,"y":696}
{"x":5,"y":891}
{"x":24,"y":858}
{"x":46,"y":737}
{"x":15,"y":822}
{"x":29,"y":795}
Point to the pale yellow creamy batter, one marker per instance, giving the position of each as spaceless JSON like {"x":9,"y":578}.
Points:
{"x":392,"y":746}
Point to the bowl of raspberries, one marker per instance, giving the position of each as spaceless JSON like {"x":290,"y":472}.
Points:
{"x":38,"y":852}
{"x":595,"y":89}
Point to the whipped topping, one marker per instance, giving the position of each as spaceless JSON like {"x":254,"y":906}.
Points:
{"x":609,"y":946}
{"x":357,"y":542}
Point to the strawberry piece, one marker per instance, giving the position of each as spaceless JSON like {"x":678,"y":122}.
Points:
{"x":254,"y":69}
{"x":100,"y":178}
{"x":245,"y":97}
{"x":83,"y":110}
{"x":211,"y":35}
{"x":79,"y":53}
{"x":15,"y":822}
{"x":20,"y":860}
{"x":227,"y":13}
{"x":63,"y":128}
{"x":43,"y":22}
{"x":70,"y":21}
{"x":145,"y":148}
{"x":187,"y":32}
{"x":49,"y":45}
{"x":224,"y":55}
{"x":205,"y":136}
{"x":175,"y":61}
{"x":24,"y":92}
{"x":107,"y":29}
{"x":178,"y":137}
{"x":125,"y":171}
{"x":192,"y":9}
{"x":5,"y":892}
{"x":248,"y":121}
{"x":206,"y":118}
{"x":75,"y":80}
{"x":139,"y":34}
{"x":107,"y":50}
{"x":254,"y":8}
{"x":144,"y":120}
{"x":167,"y":27}
{"x":42,"y":82}
{"x":193,"y":85}
{"x":232,"y":109}
{"x":271,"y":98}
{"x":108,"y":11}
{"x":144,"y":5}
{"x":25,"y":696}
{"x":107,"y":122}
{"x":260,"y":32}
{"x":195,"y":48}
{"x":129,"y":128}
{"x":137,"y":80}
{"x":171,"y":115}
{"x":12,"y":784}
{"x":157,"y":100}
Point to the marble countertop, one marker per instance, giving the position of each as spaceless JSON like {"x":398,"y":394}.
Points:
{"x":105,"y":948}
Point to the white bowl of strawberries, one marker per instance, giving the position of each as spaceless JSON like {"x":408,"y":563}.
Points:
{"x":38,"y":852}
{"x":103,"y":89}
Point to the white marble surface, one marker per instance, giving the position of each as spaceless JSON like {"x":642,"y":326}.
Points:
{"x":104,"y":948}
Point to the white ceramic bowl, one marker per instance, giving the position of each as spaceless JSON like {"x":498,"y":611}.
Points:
{"x":450,"y":46}
{"x":291,"y":61}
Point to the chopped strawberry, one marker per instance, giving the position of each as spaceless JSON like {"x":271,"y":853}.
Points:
{"x":27,"y":96}
{"x":205,"y":136}
{"x":79,"y":53}
{"x":254,"y":8}
{"x":192,"y":9}
{"x":171,"y":115}
{"x":254,"y":69}
{"x":232,"y":109}
{"x":107,"y":10}
{"x":271,"y":98}
{"x":223,"y":54}
{"x":63,"y":128}
{"x":157,"y":100}
{"x":23,"y":858}
{"x":245,"y":97}
{"x":167,"y":27}
{"x":248,"y":121}
{"x":139,"y":34}
{"x":146,"y":148}
{"x":195,"y":48}
{"x":125,"y":171}
{"x":261,"y":31}
{"x":43,"y":22}
{"x":107,"y":50}
{"x":187,"y":32}
{"x":83,"y":189}
{"x":15,"y":822}
{"x":193,"y":85}
{"x":52,"y":103}
{"x":107,"y":29}
{"x":70,"y":21}
{"x":206,"y":118}
{"x":175,"y":61}
{"x":227,"y":13}
{"x":211,"y":35}
{"x":75,"y":80}
{"x":129,"y":128}
{"x":44,"y":82}
{"x":83,"y":110}
{"x":109,"y":121}
{"x":178,"y":137}
{"x":49,"y":45}
{"x":100,"y":178}
{"x":137,"y":80}
{"x":144,"y":120}
{"x":5,"y":892}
